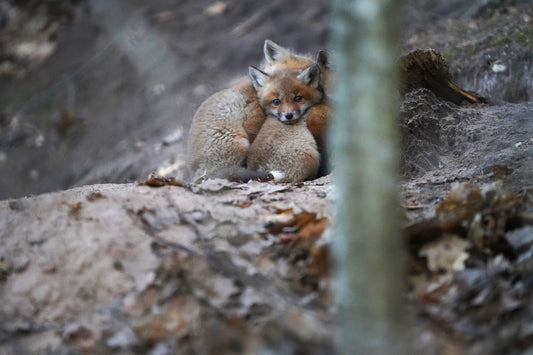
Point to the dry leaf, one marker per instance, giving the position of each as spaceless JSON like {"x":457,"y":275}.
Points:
{"x":429,"y":288}
{"x":309,"y":226}
{"x":74,"y":207}
{"x":304,"y":225}
{"x":447,"y":254}
{"x":176,"y":318}
{"x":319,"y":263}
{"x":93,"y":196}
{"x":463,"y":202}
{"x":158,"y":181}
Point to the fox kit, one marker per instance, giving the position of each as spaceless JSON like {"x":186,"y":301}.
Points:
{"x":226,"y":123}
{"x":285,"y":146}
{"x":279,"y":58}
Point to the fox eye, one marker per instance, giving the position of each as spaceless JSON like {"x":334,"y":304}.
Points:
{"x":298,"y":99}
{"x":276,"y":102}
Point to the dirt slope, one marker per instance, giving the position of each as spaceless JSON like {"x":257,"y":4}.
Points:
{"x":115,"y":98}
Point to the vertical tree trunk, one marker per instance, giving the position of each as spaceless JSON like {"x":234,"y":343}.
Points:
{"x":364,"y":138}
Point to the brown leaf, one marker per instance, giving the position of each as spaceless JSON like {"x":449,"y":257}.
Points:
{"x":245,"y":203}
{"x":284,"y":211}
{"x":309,"y":226}
{"x":319,"y":263}
{"x":74,"y":207}
{"x":447,"y":254}
{"x":501,"y":171}
{"x":94,"y":196}
{"x":431,"y":288}
{"x":176,"y":318}
{"x":304,"y":225}
{"x":158,"y":181}
{"x":462,"y":202}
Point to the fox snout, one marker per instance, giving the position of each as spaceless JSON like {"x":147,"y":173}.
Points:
{"x":288,"y":117}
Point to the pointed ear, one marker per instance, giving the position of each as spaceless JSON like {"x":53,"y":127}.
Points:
{"x":322,"y":59}
{"x":258,"y":77}
{"x":310,"y":76}
{"x":274,"y":52}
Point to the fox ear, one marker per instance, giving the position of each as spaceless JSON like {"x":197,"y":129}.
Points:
{"x":274,"y":52}
{"x":322,"y":59}
{"x":258,"y":77}
{"x":310,"y":76}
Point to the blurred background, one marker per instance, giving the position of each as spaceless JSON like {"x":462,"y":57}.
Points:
{"x":95,"y":91}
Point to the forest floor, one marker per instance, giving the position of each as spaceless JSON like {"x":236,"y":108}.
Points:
{"x":105,"y":91}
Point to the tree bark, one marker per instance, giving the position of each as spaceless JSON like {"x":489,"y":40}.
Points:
{"x":365,"y":150}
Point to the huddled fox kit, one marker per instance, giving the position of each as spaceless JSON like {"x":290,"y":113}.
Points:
{"x":226,"y":124}
{"x":284,"y":146}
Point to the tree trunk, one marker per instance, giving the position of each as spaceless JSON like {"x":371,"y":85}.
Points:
{"x":365,"y":142}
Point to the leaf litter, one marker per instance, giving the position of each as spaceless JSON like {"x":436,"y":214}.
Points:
{"x":470,"y":269}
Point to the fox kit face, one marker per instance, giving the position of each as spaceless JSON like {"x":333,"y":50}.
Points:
{"x":279,"y":58}
{"x":287,"y":94}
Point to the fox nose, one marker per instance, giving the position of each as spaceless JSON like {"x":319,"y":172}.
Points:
{"x":289,"y":115}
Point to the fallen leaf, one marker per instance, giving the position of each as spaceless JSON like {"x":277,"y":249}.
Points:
{"x":158,"y":181}
{"x":463,"y":201}
{"x":309,"y":226}
{"x":304,"y":225}
{"x":177,"y":318}
{"x":284,"y":211}
{"x":319,"y":263}
{"x":75,"y":332}
{"x":430,"y":288}
{"x":94,"y":196}
{"x":501,"y":171}
{"x":74,"y":207}
{"x":447,"y":254}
